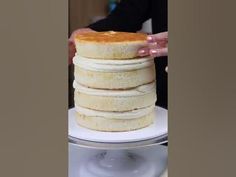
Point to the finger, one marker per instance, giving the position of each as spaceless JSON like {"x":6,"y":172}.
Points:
{"x":158,"y":37}
{"x":72,"y":51}
{"x":73,"y":35}
{"x":152,"y":45}
{"x":158,"y":52}
{"x":162,"y":44}
{"x":143,"y":52}
{"x":156,"y":45}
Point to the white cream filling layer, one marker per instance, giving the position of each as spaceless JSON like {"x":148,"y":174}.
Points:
{"x":141,"y":90}
{"x":134,"y":114}
{"x":112,"y":65}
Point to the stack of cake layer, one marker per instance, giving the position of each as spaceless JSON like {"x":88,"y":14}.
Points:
{"x":114,"y":89}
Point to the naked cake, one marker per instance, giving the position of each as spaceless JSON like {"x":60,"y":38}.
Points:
{"x":114,"y":89}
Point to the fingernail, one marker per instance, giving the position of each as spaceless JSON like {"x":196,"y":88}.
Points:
{"x":141,"y":51}
{"x":71,"y":40}
{"x":150,"y":39}
{"x":153,"y":51}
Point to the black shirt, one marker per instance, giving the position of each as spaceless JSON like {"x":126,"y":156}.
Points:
{"x":129,"y":16}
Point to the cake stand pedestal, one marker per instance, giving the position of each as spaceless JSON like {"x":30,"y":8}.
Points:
{"x":118,"y":153}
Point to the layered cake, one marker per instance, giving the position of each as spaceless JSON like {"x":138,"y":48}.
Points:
{"x":114,"y":89}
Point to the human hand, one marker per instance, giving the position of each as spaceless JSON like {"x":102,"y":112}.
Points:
{"x":157,"y":45}
{"x":71,"y":43}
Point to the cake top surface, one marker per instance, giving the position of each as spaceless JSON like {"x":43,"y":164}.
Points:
{"x":110,"y":36}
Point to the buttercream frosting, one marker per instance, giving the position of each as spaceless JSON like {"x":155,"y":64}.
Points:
{"x":112,"y":65}
{"x":134,"y":114}
{"x":137,"y":91}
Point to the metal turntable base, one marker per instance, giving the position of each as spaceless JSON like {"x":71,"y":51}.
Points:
{"x":143,"y":162}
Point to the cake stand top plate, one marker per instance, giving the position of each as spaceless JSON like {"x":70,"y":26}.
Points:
{"x":158,"y":129}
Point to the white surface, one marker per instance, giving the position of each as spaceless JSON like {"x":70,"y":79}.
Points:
{"x":152,"y":162}
{"x":158,"y":128}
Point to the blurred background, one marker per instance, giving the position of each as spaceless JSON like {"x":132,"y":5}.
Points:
{"x":85,"y":12}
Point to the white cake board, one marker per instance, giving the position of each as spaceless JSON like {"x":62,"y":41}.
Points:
{"x":157,"y":129}
{"x":143,"y":162}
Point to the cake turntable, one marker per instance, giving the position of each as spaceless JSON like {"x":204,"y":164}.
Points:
{"x":136,"y":153}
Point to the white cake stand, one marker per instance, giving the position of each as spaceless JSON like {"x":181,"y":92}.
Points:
{"x":118,"y":160}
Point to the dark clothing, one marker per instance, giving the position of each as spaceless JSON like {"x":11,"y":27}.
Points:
{"x":129,"y":16}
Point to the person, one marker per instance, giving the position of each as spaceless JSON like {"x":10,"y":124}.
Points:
{"x":129,"y":16}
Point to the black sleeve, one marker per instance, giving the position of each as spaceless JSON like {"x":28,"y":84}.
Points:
{"x":128,"y":16}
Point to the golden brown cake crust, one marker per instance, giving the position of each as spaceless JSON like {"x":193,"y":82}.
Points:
{"x":110,"y":37}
